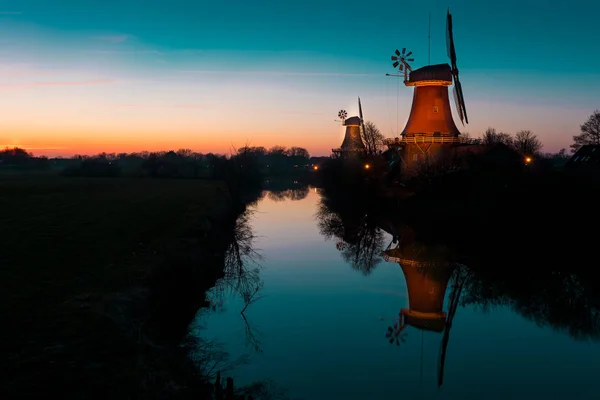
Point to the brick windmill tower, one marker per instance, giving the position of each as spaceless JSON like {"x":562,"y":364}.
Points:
{"x":430,"y":130}
{"x":352,"y":146}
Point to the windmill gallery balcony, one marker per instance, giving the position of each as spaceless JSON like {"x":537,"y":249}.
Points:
{"x":430,"y":139}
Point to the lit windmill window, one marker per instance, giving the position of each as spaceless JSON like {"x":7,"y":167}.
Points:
{"x":435,"y":109}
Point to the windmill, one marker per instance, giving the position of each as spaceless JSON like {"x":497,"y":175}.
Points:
{"x":428,"y":271}
{"x":430,"y":130}
{"x":352,"y":144}
{"x":400,"y":61}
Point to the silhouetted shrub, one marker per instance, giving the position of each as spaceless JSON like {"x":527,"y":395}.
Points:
{"x":19,"y":159}
{"x":96,"y":168}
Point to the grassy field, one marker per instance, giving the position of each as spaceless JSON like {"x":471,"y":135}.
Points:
{"x":69,"y":246}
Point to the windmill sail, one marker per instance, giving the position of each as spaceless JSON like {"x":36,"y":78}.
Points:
{"x":458,"y":93}
{"x":457,"y":105}
{"x":457,"y":287}
{"x":461,"y":98}
{"x":359,"y":109}
{"x":450,"y":41}
{"x":360,"y":114}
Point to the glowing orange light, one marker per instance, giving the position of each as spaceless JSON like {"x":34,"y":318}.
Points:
{"x":367,"y":166}
{"x":316,"y":167}
{"x":527,"y":160}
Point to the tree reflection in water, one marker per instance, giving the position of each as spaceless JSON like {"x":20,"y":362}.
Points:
{"x":566,"y":299}
{"x":241,"y":274}
{"x":360,"y":240}
{"x":286,"y":190}
{"x":558,"y":299}
{"x":241,"y":277}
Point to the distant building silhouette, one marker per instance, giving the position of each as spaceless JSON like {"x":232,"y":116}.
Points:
{"x":585,"y":160}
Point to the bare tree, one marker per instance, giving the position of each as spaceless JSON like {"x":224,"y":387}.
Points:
{"x":590,"y":132}
{"x":527,"y":143}
{"x":491,"y":137}
{"x":298,"y":152}
{"x":372,"y":138}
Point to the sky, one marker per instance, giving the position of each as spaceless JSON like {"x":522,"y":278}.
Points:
{"x":82,"y":77}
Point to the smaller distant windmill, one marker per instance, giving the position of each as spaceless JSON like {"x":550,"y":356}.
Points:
{"x":352,"y":143}
{"x":400,"y":61}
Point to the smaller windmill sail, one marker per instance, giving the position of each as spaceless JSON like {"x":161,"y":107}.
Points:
{"x":360,"y":114}
{"x":401,"y":61}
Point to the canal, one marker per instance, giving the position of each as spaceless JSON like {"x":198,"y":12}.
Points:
{"x":327,"y":316}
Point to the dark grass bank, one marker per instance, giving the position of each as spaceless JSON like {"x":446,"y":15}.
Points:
{"x":100,"y":278}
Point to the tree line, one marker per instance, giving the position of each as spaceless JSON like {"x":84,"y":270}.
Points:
{"x":20,"y":159}
{"x":183,"y":163}
{"x":527,"y":143}
{"x":523,"y":142}
{"x":277,"y":160}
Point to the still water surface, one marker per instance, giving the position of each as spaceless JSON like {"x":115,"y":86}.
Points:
{"x":320,"y":329}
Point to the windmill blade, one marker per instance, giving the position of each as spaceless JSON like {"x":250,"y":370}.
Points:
{"x":457,"y":105}
{"x":397,"y":52}
{"x":403,"y":50}
{"x":394,"y":58}
{"x":461,"y":98}
{"x":360,"y":110}
{"x":450,"y":41}
{"x":360,"y":114}
{"x":407,"y":66}
{"x":410,"y":59}
{"x":395,"y":64}
{"x":401,"y":67}
{"x":409,"y":53}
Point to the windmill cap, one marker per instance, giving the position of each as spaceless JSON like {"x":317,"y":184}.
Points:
{"x":352,"y":121}
{"x":437,"y":72}
{"x":435,"y":322}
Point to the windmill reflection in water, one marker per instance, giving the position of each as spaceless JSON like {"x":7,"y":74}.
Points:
{"x":428,"y":272}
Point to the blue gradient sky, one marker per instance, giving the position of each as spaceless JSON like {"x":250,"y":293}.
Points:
{"x":89,"y":76}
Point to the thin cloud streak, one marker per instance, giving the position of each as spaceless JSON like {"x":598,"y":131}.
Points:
{"x":19,"y":70}
{"x":284,"y":73}
{"x":74,"y":83}
{"x":114,"y":39}
{"x":156,"y":52}
{"x":182,"y":106}
{"x":57,"y":83}
{"x":291,"y":112}
{"x":26,"y":147}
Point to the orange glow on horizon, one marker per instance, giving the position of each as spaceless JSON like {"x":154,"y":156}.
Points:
{"x":70,"y":142}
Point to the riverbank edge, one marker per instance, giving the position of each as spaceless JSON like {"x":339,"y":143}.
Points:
{"x":126,"y":355}
{"x":181,"y":272}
